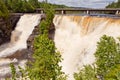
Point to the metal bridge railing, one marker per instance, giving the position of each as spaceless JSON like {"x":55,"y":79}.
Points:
{"x":85,"y":10}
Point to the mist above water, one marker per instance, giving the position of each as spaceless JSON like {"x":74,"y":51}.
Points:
{"x":76,"y":38}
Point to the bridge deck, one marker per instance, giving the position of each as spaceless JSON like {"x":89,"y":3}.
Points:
{"x":64,"y":10}
{"x":73,"y":10}
{"x":82,"y":9}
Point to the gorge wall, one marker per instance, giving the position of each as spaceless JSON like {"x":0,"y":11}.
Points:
{"x":6,"y":27}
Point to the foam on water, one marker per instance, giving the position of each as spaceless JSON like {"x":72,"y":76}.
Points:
{"x":21,"y":33}
{"x":19,"y":37}
{"x":76,"y":38}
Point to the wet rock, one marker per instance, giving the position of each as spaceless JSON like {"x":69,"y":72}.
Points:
{"x":6,"y":27}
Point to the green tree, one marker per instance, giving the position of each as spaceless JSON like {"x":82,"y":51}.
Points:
{"x":114,"y":5}
{"x":4,"y":13}
{"x":19,"y":5}
{"x":45,"y":58}
{"x":13,"y":71}
{"x":34,"y":3}
{"x":45,"y":65}
{"x":108,"y":58}
{"x":46,"y":24}
{"x":107,"y":62}
{"x":88,"y":73}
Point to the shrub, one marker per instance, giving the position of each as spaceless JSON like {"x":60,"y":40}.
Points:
{"x":46,"y":59}
{"x":88,"y":73}
{"x":107,"y":57}
{"x":107,"y":61}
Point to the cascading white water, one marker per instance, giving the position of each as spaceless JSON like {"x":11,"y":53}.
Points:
{"x":76,"y":38}
{"x":21,"y":33}
{"x":19,"y":37}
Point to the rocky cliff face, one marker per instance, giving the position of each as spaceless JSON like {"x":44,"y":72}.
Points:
{"x":6,"y":27}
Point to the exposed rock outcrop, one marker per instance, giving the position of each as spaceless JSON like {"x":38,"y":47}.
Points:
{"x":6,"y":27}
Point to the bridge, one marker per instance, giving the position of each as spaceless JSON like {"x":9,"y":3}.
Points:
{"x":114,"y":11}
{"x":82,"y":10}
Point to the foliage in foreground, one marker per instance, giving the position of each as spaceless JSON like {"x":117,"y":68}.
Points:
{"x":13,"y":71}
{"x":88,"y":73}
{"x":46,"y":62}
{"x":107,"y":62}
{"x":108,"y":58}
{"x":46,"y":59}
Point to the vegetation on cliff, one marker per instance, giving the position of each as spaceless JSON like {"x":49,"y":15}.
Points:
{"x":45,"y":64}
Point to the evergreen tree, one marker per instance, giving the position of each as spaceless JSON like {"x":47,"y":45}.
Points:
{"x":107,"y":62}
{"x":4,"y":13}
{"x":114,"y":5}
{"x":34,"y":3}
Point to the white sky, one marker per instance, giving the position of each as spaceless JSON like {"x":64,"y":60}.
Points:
{"x":83,"y":3}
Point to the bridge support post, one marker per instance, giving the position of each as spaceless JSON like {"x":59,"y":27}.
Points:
{"x":63,"y":12}
{"x":88,"y":12}
{"x":41,"y":11}
{"x":117,"y":12}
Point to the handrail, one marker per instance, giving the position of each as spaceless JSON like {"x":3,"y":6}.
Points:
{"x":87,"y":10}
{"x":82,"y":9}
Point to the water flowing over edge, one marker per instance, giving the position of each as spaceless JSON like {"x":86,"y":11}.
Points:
{"x":18,"y":42}
{"x":76,"y":38}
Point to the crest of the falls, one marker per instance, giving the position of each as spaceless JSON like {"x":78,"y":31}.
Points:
{"x":19,"y":36}
{"x":76,"y":38}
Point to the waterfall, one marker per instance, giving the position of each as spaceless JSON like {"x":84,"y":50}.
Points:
{"x":76,"y":38}
{"x":18,"y":42}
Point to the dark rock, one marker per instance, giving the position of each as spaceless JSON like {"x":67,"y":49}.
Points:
{"x":6,"y":27}
{"x":52,"y":31}
{"x":5,"y":34}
